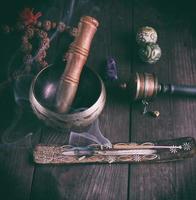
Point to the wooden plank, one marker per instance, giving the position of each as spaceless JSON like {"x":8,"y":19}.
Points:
{"x":183,"y":110}
{"x":16,"y":168}
{"x":172,"y":180}
{"x":92,"y":181}
{"x":161,"y":181}
{"x":14,"y":159}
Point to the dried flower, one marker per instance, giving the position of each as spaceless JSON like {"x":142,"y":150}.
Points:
{"x":28,"y":18}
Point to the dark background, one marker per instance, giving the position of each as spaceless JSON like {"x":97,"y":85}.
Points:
{"x":121,"y":121}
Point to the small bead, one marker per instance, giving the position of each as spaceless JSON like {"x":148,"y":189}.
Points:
{"x":38,"y":58}
{"x":47,"y":25}
{"x":61,"y":27}
{"x":150,"y":53}
{"x":42,"y":54}
{"x":42,"y":34}
{"x":25,"y":39}
{"x":20,"y":26}
{"x":54,"y":25}
{"x":6,"y":29}
{"x":39,"y":24}
{"x":29,"y":32}
{"x":45,"y":43}
{"x":36,"y":30}
{"x":146,"y":35}
{"x":27,"y":47}
{"x":155,"y":113}
{"x":43,"y":63}
{"x":27,"y":59}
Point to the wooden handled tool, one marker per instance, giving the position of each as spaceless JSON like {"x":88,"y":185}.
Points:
{"x":76,"y":58}
{"x":151,"y":152}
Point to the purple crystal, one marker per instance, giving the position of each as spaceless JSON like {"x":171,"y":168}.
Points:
{"x":111,"y":69}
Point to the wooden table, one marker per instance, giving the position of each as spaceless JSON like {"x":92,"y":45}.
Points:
{"x":120,"y":121}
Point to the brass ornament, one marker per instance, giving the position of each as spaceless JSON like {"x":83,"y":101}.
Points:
{"x":145,"y":35}
{"x":150,"y":53}
{"x":143,"y":86}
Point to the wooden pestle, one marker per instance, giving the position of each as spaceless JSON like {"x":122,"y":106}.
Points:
{"x":76,"y":58}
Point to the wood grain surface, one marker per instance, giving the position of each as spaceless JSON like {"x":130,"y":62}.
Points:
{"x":121,"y":120}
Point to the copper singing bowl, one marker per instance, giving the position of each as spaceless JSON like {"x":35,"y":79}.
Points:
{"x":88,"y":103}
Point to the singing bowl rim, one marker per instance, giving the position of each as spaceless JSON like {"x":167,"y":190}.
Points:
{"x":68,"y":120}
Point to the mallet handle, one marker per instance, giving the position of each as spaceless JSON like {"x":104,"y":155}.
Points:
{"x":178,"y":89}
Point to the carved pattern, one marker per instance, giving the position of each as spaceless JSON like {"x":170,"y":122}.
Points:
{"x":137,"y":158}
{"x":121,"y":152}
{"x":173,"y":149}
{"x":186,"y":146}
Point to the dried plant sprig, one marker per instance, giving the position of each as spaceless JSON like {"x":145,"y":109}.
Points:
{"x":30,"y":25}
{"x":28,"y":17}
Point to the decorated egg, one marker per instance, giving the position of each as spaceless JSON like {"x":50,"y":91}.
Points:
{"x":150,"y":53}
{"x":146,"y":34}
